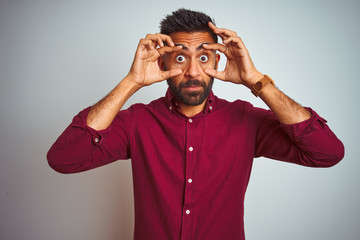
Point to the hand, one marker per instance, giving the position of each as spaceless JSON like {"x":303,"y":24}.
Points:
{"x":239,"y":68}
{"x":145,"y":69}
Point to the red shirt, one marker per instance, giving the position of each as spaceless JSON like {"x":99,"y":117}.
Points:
{"x":190,"y":174}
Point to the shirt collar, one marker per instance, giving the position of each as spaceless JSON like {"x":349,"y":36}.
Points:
{"x":172,"y":102}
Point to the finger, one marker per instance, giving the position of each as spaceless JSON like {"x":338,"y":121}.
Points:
{"x":146,"y":44}
{"x":160,"y":39}
{"x":223,"y":33}
{"x":167,"y":39}
{"x":236,"y":41}
{"x":170,"y":73}
{"x":164,"y":38}
{"x":212,"y":26}
{"x":214,"y":73}
{"x":167,"y":49}
{"x":156,"y":39}
{"x":215,"y":46}
{"x":214,"y":29}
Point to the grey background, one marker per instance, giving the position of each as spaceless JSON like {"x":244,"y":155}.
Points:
{"x":58,"y":57}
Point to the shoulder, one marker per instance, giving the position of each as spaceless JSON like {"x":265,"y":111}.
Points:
{"x":153,"y":105}
{"x":140,"y":110}
{"x":237,"y":105}
{"x":242,"y":109}
{"x":137,"y":112}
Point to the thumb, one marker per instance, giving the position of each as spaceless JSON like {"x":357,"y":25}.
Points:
{"x":213,"y":73}
{"x":170,"y":73}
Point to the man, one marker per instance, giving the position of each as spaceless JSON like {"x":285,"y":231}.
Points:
{"x":191,"y":151}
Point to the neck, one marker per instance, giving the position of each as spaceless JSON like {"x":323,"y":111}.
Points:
{"x":190,"y":111}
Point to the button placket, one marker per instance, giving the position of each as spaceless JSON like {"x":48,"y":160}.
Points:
{"x":189,"y":170}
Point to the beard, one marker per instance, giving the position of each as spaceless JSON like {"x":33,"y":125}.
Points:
{"x":193,"y":98}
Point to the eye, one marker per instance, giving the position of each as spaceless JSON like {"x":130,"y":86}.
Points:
{"x":180,"y":58}
{"x":204,"y":58}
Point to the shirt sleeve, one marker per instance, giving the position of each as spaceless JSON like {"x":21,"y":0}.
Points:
{"x":80,"y":148}
{"x":308,"y":143}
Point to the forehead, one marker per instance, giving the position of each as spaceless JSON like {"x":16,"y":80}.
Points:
{"x":191,"y":40}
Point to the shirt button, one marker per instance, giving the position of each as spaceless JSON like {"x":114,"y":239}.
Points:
{"x":210,"y":107}
{"x":190,"y":120}
{"x":187,"y":212}
{"x":170,"y":108}
{"x":191,"y":149}
{"x":190,"y":180}
{"x":97,"y":140}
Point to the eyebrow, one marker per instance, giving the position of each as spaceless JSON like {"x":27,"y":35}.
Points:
{"x":197,"y":49}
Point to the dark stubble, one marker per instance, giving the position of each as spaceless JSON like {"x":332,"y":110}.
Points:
{"x":193,"y":98}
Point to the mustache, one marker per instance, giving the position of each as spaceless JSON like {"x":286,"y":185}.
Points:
{"x":192,"y":82}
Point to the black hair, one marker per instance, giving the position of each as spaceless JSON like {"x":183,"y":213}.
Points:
{"x":185,"y":20}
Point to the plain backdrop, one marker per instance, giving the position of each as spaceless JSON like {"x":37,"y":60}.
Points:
{"x":58,"y":57}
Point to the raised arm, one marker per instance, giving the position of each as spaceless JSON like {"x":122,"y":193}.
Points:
{"x":144,"y":71}
{"x":240,"y":69}
{"x":88,"y":142}
{"x":296,"y":134}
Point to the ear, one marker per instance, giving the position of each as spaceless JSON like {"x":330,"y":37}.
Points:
{"x":217,"y":59}
{"x":161,"y":63}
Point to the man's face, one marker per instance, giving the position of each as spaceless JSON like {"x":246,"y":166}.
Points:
{"x":193,"y":86}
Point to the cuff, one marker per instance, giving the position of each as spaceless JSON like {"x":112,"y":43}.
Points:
{"x":303,"y":129}
{"x":98,"y":137}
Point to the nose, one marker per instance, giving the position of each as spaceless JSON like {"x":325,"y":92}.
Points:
{"x":193,"y":70}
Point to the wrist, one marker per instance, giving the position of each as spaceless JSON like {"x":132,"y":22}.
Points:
{"x":260,"y":85}
{"x":127,"y":87}
{"x":132,"y":82}
{"x":253,"y":79}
